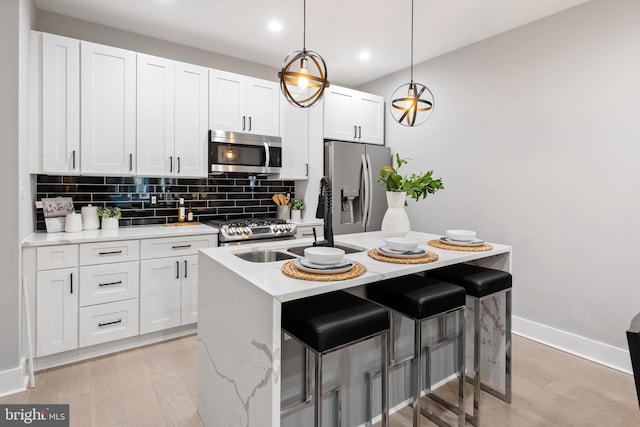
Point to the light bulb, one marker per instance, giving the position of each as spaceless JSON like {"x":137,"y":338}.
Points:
{"x":303,"y":82}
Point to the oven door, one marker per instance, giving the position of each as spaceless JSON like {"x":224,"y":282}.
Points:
{"x":235,"y":152}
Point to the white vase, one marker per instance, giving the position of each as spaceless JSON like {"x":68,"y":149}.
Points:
{"x":296,"y":214}
{"x":395,"y":222}
{"x":109,"y":223}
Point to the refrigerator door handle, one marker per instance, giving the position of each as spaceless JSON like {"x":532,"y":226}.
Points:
{"x":369,"y":192}
{"x":366,"y":174}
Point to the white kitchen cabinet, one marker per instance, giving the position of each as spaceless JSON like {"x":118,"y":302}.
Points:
{"x":155,"y":116}
{"x":108,"y":322}
{"x":105,"y":283}
{"x":192,"y":120}
{"x":240,"y":103}
{"x":56,"y":310}
{"x":108,"y":110}
{"x":160,"y":293}
{"x":189,"y":290}
{"x":351,"y":115}
{"x":294,"y":129}
{"x":56,"y":106}
{"x":302,"y":232}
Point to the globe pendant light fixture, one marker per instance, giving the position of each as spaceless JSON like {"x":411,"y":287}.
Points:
{"x":412,"y":103}
{"x":303,"y":77}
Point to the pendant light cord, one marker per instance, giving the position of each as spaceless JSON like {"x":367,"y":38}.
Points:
{"x":411,"y":41}
{"x":304,"y":25}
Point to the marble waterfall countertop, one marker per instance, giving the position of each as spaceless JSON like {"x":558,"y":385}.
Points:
{"x":122,"y":233}
{"x":240,"y":351}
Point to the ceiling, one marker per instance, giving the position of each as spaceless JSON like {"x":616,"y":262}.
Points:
{"x":337,"y":29}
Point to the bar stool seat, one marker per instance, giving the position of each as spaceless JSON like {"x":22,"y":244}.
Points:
{"x":481,"y":283}
{"x":328,"y":322}
{"x":420,"y":299}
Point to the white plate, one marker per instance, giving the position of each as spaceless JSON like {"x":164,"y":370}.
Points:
{"x":474,"y":242}
{"x":324,"y":269}
{"x":311,"y":264}
{"x":383,"y":250}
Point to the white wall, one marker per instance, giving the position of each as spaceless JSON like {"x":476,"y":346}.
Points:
{"x":535,"y":134}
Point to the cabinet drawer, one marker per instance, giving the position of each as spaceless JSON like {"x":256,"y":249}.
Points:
{"x":175,"y":246}
{"x":64,"y":256}
{"x":108,"y":252}
{"x":304,"y":232}
{"x":108,"y":283}
{"x":107,"y":322}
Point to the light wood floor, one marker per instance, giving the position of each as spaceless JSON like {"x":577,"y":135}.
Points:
{"x":156,"y":386}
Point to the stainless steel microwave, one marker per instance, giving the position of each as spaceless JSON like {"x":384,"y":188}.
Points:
{"x":244,"y":152}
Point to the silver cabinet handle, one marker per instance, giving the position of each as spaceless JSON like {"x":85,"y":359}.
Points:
{"x":178,"y":165}
{"x":130,"y":161}
{"x":355,"y":131}
{"x":243,"y":122}
{"x":177,"y":269}
{"x":170,"y":163}
{"x":249,"y":123}
{"x":110,"y":252}
{"x":110,"y":323}
{"x":306,"y":165}
{"x":359,"y":132}
{"x":73,"y":155}
{"x":180,"y":246}
{"x":119,"y":282}
{"x":185,"y":268}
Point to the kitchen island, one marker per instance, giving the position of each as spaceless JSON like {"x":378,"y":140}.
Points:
{"x":239,"y":335}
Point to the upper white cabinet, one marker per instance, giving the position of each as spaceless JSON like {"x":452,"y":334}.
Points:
{"x":155,"y":116}
{"x":191,"y":114}
{"x":56,"y":106}
{"x":243,"y":104}
{"x":351,"y":115}
{"x":172,"y":118}
{"x":294,"y":125}
{"x":108,"y":110}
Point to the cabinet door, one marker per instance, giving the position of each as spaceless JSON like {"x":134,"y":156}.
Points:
{"x":294,"y":129}
{"x":108,"y":109}
{"x":159,"y":294}
{"x":370,"y":118}
{"x":227,"y":107}
{"x":191,"y":116}
{"x":57,"y":311}
{"x":339,"y":120}
{"x":155,"y":116}
{"x":60,"y":104}
{"x":263,"y":107}
{"x":189,"y":289}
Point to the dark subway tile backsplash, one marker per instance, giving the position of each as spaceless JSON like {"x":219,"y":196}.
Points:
{"x":220,"y":197}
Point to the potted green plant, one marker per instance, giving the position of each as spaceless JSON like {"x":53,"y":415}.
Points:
{"x":297,"y":206}
{"x":110,"y":216}
{"x":416,"y":186}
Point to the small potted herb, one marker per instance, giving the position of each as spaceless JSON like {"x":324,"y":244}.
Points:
{"x":297,"y":206}
{"x":109,"y":216}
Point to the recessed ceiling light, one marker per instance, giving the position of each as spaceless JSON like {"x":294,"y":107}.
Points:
{"x":365,"y":55}
{"x":275,"y":26}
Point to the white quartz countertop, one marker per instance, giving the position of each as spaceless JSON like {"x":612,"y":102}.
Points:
{"x":123,"y":233}
{"x":269,"y":278}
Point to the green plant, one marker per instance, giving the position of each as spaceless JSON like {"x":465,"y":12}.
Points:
{"x":109,"y":212}
{"x":416,"y":186}
{"x":298,"y":205}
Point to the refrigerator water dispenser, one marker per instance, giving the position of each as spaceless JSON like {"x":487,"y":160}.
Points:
{"x":349,"y":214}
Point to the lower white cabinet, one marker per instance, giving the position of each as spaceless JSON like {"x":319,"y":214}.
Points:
{"x":108,"y":283}
{"x":168,"y":292}
{"x":107,"y":322}
{"x":57,"y":310}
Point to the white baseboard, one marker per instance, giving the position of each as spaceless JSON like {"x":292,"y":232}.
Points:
{"x":13,"y":380}
{"x":586,"y":348}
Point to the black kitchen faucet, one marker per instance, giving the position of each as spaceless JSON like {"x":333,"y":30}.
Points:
{"x":325,"y":202}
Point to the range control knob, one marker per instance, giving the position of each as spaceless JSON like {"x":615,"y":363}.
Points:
{"x":247,"y":230}
{"x":230,"y":231}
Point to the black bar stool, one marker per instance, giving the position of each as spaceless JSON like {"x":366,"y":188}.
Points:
{"x":421,"y":299}
{"x":328,"y":322}
{"x":482,"y":283}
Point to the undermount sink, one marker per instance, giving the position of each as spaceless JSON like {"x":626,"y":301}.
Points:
{"x":299,"y":250}
{"x":264,"y":256}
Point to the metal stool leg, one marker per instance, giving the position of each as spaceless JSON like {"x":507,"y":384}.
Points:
{"x":318,"y":392}
{"x":417,"y":372}
{"x":384,"y":356}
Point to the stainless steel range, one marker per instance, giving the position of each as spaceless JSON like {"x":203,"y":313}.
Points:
{"x":239,"y":231}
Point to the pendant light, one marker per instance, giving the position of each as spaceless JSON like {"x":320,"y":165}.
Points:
{"x":303,"y":77}
{"x":412,"y":103}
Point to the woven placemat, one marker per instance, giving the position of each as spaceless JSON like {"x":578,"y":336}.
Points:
{"x":442,"y":245}
{"x":289,"y":269}
{"x":427,"y":257}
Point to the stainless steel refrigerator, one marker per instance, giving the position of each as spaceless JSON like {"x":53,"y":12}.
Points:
{"x":359,"y":202}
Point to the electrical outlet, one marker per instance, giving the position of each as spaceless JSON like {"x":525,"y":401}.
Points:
{"x":39,"y":204}
{"x":154,"y":200}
